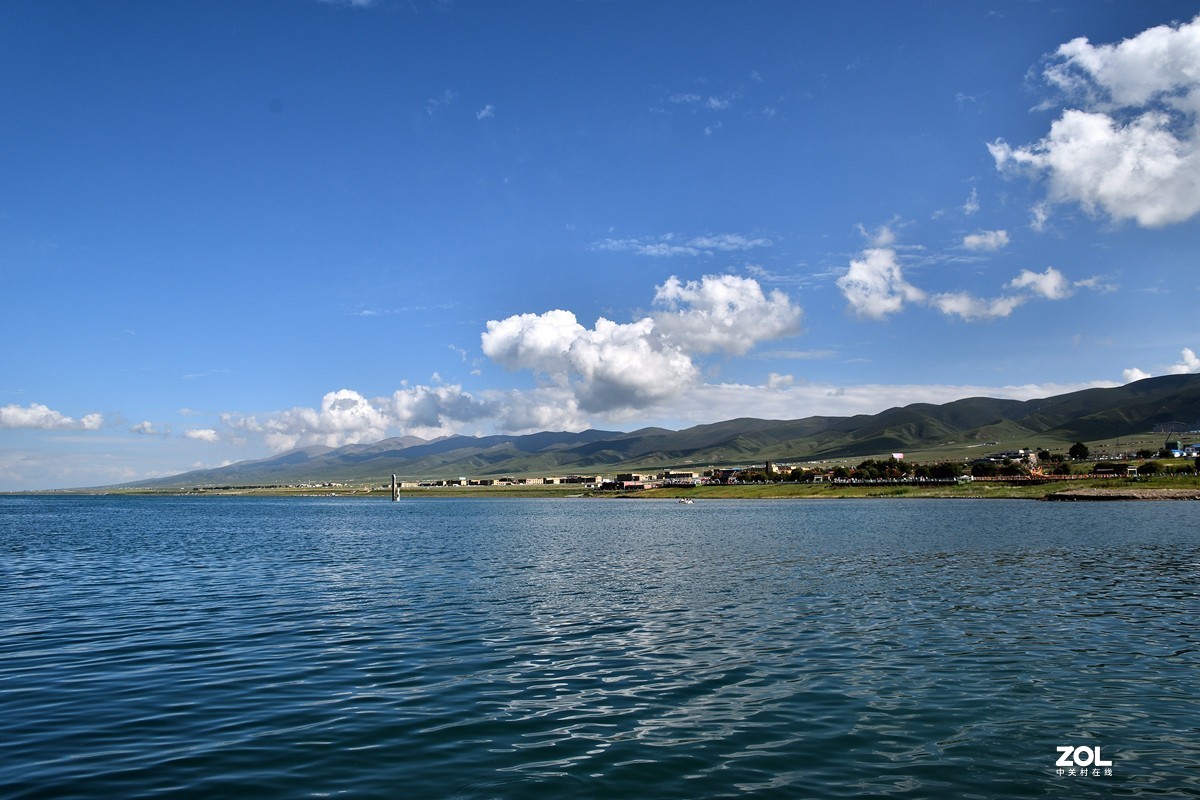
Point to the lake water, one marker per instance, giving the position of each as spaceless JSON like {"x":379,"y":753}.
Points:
{"x":275,"y":648}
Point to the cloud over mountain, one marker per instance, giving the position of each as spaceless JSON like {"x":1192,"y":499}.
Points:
{"x":614,"y":366}
{"x":608,"y":366}
{"x":1188,"y":364}
{"x":347,"y":417}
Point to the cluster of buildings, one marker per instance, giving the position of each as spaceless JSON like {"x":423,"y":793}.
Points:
{"x":816,"y":473}
{"x":588,"y":481}
{"x":626,"y":480}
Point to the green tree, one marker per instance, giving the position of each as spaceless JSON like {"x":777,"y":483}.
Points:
{"x":1150,"y":468}
{"x":984,"y":469}
{"x":1079,"y":451}
{"x":946,"y":469}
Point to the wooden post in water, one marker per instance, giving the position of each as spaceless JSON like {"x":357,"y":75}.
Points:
{"x":395,"y":489}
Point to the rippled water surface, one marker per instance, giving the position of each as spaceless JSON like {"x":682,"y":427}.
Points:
{"x":237,"y":647}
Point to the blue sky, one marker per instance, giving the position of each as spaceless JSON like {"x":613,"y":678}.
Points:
{"x":228,"y":229}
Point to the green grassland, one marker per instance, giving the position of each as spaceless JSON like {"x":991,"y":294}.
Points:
{"x":1027,"y":490}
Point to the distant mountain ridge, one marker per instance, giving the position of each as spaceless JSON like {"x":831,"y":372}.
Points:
{"x":1078,"y":416}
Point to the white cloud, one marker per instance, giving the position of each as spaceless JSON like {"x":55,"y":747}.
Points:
{"x":800,"y":355}
{"x":41,"y":417}
{"x":487,"y":112}
{"x":543,"y":409}
{"x":883,"y":236}
{"x":537,"y":342}
{"x":971,"y":308}
{"x":1159,"y":63}
{"x":1187,"y":366}
{"x":431,"y":411}
{"x":712,"y":402}
{"x":610,"y":370}
{"x":202,"y":435}
{"x":627,"y":366}
{"x":696,"y":101}
{"x":1129,"y":146}
{"x":609,"y":366}
{"x":874,"y":285}
{"x":669,"y":245}
{"x":971,"y":207}
{"x":615,"y":366}
{"x":345,"y":417}
{"x":723,"y":312}
{"x":1096,"y":283}
{"x":556,"y":407}
{"x":988,"y":241}
{"x":444,"y":100}
{"x":728,"y":242}
{"x":1039,"y":215}
{"x":147,"y":429}
{"x":1049,"y":284}
{"x":1134,"y":374}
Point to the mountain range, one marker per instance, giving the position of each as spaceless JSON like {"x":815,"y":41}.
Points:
{"x":1087,"y":415}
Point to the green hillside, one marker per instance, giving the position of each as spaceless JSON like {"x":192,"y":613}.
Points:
{"x":1088,"y":415}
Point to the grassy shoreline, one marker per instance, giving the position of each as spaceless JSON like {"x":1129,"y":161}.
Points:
{"x":977,"y":490}
{"x":1147,"y":487}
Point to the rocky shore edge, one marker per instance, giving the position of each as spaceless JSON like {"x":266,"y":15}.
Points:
{"x":1125,"y":494}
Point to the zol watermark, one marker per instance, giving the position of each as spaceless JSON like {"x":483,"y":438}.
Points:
{"x":1082,"y":762}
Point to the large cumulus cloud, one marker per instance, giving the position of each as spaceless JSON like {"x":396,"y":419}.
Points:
{"x":612,"y":366}
{"x":723,"y":313}
{"x":1128,"y":144}
{"x":611,"y":371}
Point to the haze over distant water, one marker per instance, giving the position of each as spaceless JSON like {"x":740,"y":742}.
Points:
{"x":238,"y":647}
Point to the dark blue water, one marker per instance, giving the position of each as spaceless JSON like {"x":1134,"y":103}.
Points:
{"x":237,"y":647}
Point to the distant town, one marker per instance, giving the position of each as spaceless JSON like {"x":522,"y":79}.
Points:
{"x":1023,"y":465}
